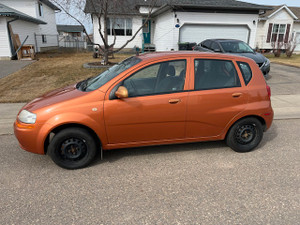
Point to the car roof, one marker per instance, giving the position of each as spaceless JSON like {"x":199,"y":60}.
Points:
{"x":158,"y":55}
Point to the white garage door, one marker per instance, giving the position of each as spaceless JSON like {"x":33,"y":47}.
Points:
{"x":198,"y":33}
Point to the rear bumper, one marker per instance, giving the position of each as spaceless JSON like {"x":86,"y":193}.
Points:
{"x":268,"y":117}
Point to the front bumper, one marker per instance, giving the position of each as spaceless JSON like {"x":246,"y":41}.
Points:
{"x":29,"y":137}
{"x":265,"y":69}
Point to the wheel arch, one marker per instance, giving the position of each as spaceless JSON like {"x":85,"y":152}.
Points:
{"x":57,"y":129}
{"x":260,"y":119}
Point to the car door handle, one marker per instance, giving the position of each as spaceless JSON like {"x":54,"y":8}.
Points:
{"x":174,"y":101}
{"x":236,"y":95}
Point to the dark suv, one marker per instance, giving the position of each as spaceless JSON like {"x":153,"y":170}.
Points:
{"x":236,"y":47}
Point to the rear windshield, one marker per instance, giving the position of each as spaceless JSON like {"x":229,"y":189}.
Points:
{"x":246,"y":71}
{"x":94,"y":83}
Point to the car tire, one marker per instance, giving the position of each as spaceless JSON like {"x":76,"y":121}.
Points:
{"x":72,"y":148}
{"x":245,"y":135}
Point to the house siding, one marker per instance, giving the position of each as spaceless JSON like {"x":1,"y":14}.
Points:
{"x":282,"y":17}
{"x":30,"y":7}
{"x":297,"y":33}
{"x":166,"y":36}
{"x":25,"y":6}
{"x":137,"y":22}
{"x":4,"y":42}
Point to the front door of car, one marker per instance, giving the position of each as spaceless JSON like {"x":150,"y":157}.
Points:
{"x":217,"y":99}
{"x":155,"y":108}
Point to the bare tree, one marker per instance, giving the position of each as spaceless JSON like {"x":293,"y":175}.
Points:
{"x":105,"y":10}
{"x":277,"y":47}
{"x":290,"y":47}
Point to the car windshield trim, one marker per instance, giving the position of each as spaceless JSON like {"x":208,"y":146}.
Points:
{"x":94,"y":83}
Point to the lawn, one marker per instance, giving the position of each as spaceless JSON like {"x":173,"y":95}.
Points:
{"x":293,"y":61}
{"x":52,"y":70}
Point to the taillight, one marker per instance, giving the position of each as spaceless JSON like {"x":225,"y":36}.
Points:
{"x":269,"y":91}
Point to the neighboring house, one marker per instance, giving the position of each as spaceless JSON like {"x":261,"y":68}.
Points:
{"x":280,"y":24}
{"x":180,"y":21}
{"x":32,"y":18}
{"x":71,"y":32}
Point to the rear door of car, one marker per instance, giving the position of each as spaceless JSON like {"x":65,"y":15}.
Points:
{"x":219,"y":95}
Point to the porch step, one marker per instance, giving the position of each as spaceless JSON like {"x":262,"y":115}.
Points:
{"x":149,"y":48}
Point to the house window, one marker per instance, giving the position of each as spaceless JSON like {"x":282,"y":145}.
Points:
{"x":41,"y":13}
{"x":119,"y":27}
{"x":278,"y":32}
{"x":44,"y":38}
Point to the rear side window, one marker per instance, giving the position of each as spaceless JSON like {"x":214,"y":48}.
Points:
{"x":246,"y":71}
{"x":215,"y":74}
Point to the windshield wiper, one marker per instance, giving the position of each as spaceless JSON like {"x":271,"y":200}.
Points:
{"x":82,"y":85}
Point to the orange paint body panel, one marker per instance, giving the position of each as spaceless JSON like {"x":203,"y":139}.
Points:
{"x":184,"y":116}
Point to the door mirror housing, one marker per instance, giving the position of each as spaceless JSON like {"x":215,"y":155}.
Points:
{"x":122,"y":92}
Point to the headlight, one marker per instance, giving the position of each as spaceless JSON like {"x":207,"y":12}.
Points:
{"x":267,"y":62}
{"x":27,"y":117}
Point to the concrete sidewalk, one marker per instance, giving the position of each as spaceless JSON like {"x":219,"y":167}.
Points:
{"x":10,"y":66}
{"x":284,"y":106}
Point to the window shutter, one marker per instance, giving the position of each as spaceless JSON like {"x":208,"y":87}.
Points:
{"x":269,"y":32}
{"x":287,"y":33}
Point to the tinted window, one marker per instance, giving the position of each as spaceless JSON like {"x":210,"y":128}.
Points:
{"x":236,"y":47}
{"x":165,"y":77}
{"x":215,"y":74}
{"x":215,"y":46}
{"x":206,"y":44}
{"x":246,"y":71}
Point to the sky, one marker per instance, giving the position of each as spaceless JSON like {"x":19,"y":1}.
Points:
{"x":275,"y":2}
{"x":64,"y":19}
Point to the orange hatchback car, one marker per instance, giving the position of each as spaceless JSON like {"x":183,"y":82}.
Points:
{"x":151,"y":99}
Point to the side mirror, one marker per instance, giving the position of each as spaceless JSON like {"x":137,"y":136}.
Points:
{"x":122,"y":92}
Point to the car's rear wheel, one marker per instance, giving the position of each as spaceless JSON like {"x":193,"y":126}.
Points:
{"x":245,"y":135}
{"x":72,"y":148}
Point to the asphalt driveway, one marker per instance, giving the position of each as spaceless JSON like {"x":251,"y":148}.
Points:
{"x":201,"y":183}
{"x":10,"y":66}
{"x":284,"y":80}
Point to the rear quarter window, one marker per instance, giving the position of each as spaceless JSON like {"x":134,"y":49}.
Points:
{"x":246,"y":71}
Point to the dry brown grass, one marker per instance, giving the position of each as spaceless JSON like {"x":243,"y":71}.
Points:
{"x":283,"y":59}
{"x":51,"y":71}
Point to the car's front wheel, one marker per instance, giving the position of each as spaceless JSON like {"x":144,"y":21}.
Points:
{"x":245,"y":135}
{"x":72,"y":148}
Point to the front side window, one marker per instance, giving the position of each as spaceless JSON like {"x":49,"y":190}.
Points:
{"x":236,"y":47}
{"x":165,"y":77}
{"x":215,"y":74}
{"x":278,"y":32}
{"x":119,"y":26}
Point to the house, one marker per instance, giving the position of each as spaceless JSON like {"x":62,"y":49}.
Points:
{"x":71,"y":36}
{"x":71,"y":32}
{"x":282,"y":23}
{"x":32,"y":18}
{"x":179,"y":21}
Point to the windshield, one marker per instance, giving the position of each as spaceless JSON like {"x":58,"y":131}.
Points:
{"x":94,"y":83}
{"x":236,"y":47}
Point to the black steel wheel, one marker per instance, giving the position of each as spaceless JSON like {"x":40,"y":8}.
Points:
{"x":72,"y":148}
{"x":245,"y":135}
